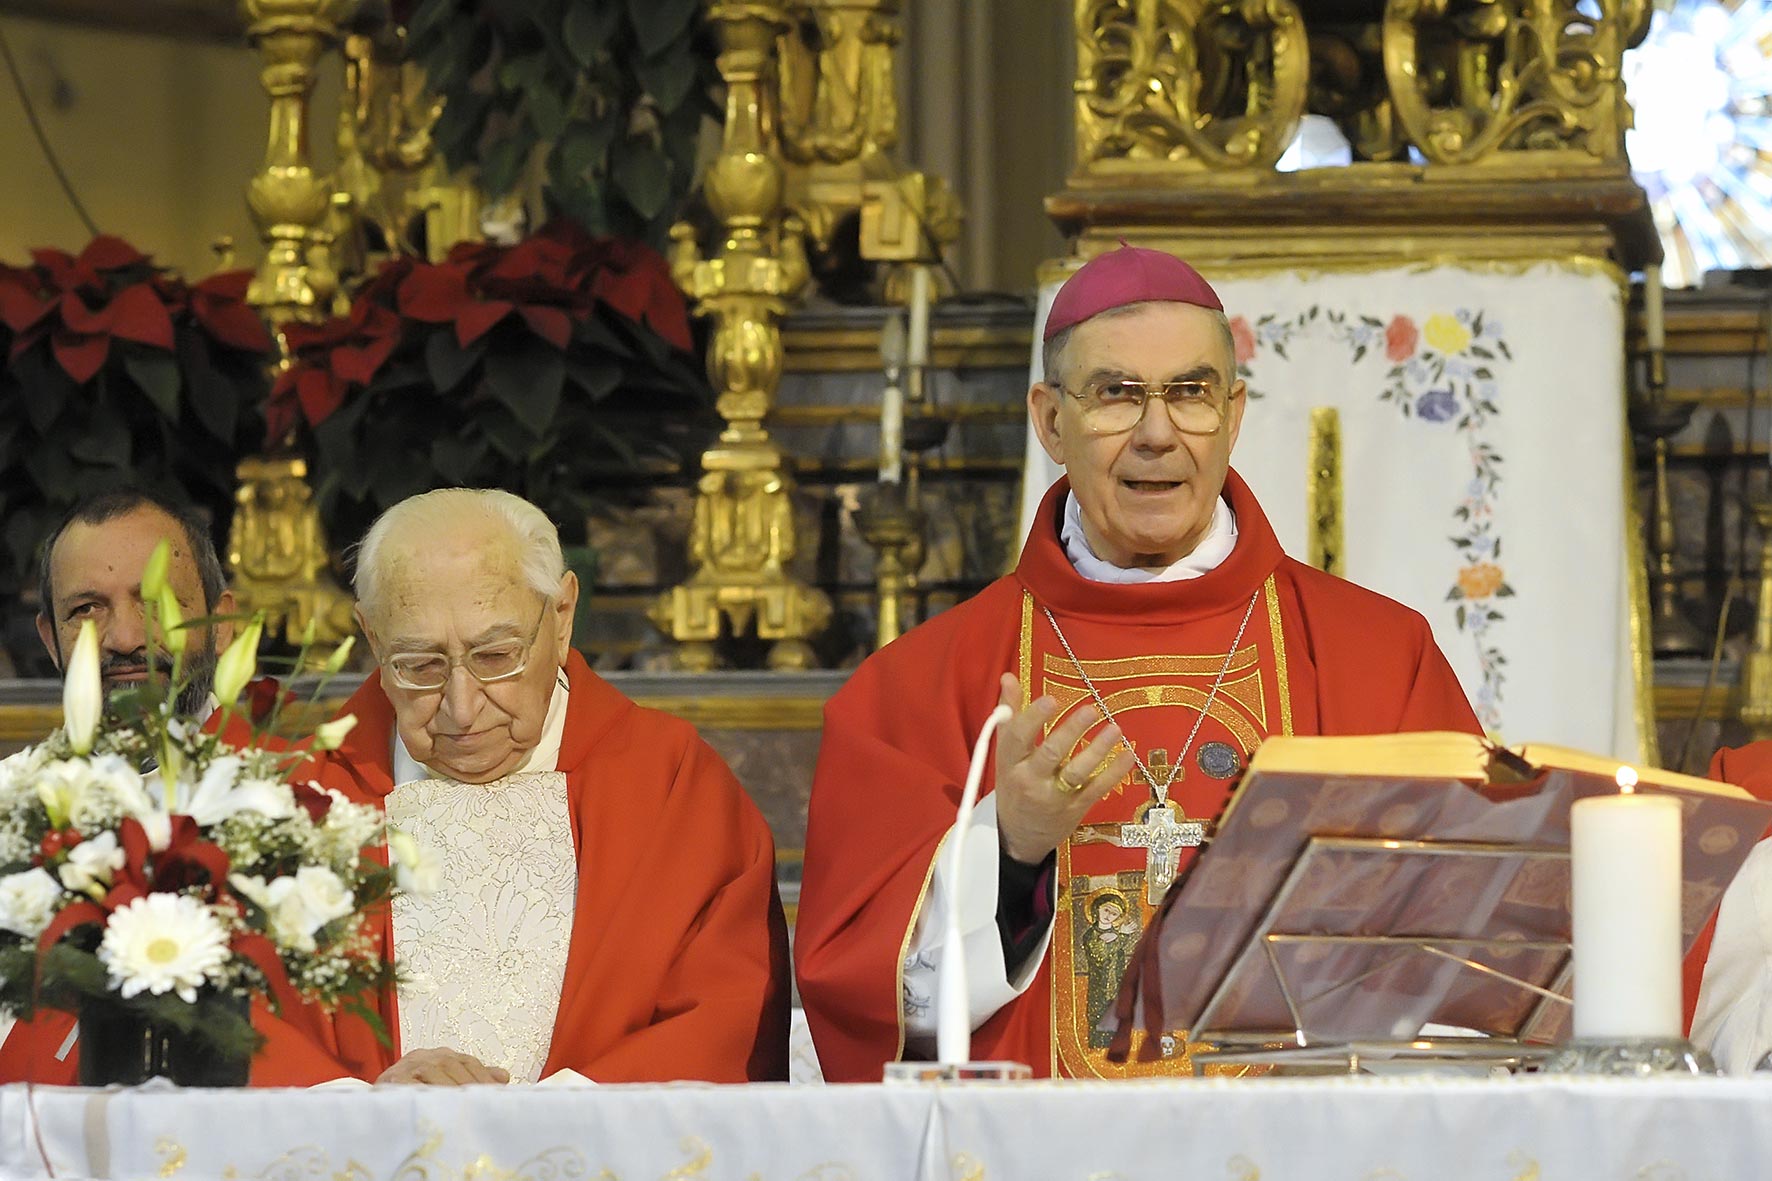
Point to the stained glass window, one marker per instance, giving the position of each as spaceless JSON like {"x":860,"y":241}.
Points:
{"x":1701,"y":85}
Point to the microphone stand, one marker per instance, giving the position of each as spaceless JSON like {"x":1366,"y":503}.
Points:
{"x":953,"y":1018}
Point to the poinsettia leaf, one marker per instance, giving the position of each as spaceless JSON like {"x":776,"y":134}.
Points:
{"x":581,"y":155}
{"x":502,"y":163}
{"x":588,"y":29}
{"x":447,"y":362}
{"x":53,"y":472}
{"x":657,"y":22}
{"x":643,"y":175}
{"x":528,"y":382}
{"x":458,"y":456}
{"x":105,"y":441}
{"x":44,"y":389}
{"x":547,"y":111}
{"x":508,"y":437}
{"x":212,"y":399}
{"x":156,"y":376}
{"x":669,"y":76}
{"x":429,"y":20}
{"x":597,"y":378}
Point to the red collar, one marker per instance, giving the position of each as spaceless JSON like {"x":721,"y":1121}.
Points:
{"x":1047,"y":572}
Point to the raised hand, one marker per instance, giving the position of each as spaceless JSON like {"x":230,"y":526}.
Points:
{"x":1042,"y":792}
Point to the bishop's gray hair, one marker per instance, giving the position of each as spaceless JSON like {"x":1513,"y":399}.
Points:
{"x":1052,"y":351}
{"x":430,"y":514}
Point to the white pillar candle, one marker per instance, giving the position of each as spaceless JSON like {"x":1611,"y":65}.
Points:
{"x":891,"y":433}
{"x":919,"y":353}
{"x":1654,"y":310}
{"x":1625,"y":854}
{"x":892,"y":358}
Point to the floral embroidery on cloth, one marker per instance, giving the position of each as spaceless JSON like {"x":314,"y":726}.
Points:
{"x":486,"y":953}
{"x":1444,"y":375}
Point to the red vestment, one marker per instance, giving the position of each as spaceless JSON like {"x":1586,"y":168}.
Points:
{"x":1748,"y":767}
{"x":1318,"y":655}
{"x":678,"y":964}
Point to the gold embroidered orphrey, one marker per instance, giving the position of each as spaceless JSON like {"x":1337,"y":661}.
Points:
{"x":1160,"y":828}
{"x":1250,"y":693}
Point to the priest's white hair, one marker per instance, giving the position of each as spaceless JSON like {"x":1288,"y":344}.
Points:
{"x":410,"y":523}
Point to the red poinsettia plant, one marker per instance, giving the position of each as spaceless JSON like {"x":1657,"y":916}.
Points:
{"x":114,"y":370}
{"x":545,"y":367}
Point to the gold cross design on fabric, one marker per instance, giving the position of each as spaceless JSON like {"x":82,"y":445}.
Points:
{"x":1161,"y":835}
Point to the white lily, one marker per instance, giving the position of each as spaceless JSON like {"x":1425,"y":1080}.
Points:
{"x":336,"y":661}
{"x":221,"y":793}
{"x":331,"y":735}
{"x":154,"y":573}
{"x":172,"y":621}
{"x":416,"y":871}
{"x":237,"y":665}
{"x":83,"y":698}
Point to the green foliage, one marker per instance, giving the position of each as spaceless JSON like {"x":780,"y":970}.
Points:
{"x":605,"y":98}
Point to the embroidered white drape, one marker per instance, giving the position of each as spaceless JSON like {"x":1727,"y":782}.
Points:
{"x":487,"y":952}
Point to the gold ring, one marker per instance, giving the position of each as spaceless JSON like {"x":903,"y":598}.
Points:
{"x":1065,"y":784}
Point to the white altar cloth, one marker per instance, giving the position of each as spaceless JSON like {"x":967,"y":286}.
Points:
{"x":1365,"y":1129}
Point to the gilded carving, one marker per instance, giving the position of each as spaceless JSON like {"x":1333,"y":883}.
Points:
{"x":1219,"y":86}
{"x":277,"y":555}
{"x":1194,"y":84}
{"x":1473,"y":80}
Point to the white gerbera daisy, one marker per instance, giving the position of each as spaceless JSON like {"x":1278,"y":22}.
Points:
{"x":162,"y":943}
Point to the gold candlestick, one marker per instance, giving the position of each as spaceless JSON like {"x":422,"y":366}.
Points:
{"x":1653,"y":416}
{"x":893,"y":524}
{"x":742,"y":535}
{"x":289,"y":201}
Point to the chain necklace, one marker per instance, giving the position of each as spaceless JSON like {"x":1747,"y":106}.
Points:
{"x":1159,"y":791}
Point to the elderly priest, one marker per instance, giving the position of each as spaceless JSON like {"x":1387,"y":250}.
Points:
{"x":606,"y":900}
{"x":1151,"y":636}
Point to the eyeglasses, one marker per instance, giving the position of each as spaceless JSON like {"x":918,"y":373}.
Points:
{"x":1115,"y":407}
{"x":489,"y":663}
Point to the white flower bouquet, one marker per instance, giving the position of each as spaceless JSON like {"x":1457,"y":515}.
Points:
{"x":152,"y":871}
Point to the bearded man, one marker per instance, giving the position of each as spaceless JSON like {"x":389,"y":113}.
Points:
{"x":1151,"y":636}
{"x":606,"y":897}
{"x":91,"y":567}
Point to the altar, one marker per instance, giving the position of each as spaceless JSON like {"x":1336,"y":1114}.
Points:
{"x":1328,"y":1129}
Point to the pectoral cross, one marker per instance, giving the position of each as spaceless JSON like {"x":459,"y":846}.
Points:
{"x":1161,"y":835}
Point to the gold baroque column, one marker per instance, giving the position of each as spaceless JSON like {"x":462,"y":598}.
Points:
{"x":277,"y":552}
{"x":289,"y":201}
{"x":742,"y":533}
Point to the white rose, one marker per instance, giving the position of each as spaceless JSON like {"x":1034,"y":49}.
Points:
{"x":323,"y":896}
{"x":416,"y":871}
{"x":93,"y":862}
{"x":28,"y":901}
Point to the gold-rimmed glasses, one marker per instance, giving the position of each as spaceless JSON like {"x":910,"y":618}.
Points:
{"x":1116,"y":406}
{"x":489,"y":663}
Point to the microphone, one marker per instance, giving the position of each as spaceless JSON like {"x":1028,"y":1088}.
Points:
{"x":953,"y":1018}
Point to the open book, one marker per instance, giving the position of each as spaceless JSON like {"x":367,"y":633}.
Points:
{"x":1338,"y":858}
{"x":1450,"y":754}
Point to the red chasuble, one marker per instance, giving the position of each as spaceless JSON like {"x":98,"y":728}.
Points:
{"x":1317,"y":655}
{"x":678,"y":963}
